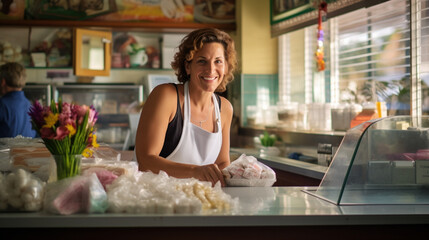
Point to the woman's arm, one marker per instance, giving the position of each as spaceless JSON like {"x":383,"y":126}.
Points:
{"x":223,"y":159}
{"x":158,"y":110}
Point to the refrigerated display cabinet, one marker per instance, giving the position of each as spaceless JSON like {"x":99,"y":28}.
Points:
{"x":382,"y":161}
{"x":38,"y":92}
{"x":113,"y":102}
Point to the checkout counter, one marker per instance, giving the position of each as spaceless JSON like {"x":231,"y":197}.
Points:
{"x":376,"y":188}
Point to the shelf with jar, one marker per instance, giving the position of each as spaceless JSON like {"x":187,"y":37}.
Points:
{"x":137,"y":50}
{"x":52,"y":48}
{"x":36,"y":47}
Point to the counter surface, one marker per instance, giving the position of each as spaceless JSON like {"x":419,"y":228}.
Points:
{"x":259,"y":207}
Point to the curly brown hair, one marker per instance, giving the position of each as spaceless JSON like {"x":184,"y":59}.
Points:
{"x":193,"y":42}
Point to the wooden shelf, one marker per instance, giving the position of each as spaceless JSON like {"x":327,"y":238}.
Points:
{"x":127,"y":26}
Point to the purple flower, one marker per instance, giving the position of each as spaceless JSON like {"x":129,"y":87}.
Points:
{"x":93,"y":115}
{"x":36,"y":114}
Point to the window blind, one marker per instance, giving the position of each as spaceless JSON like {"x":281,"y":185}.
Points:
{"x":374,"y":55}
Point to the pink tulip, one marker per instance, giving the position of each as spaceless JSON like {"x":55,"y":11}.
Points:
{"x":62,"y":132}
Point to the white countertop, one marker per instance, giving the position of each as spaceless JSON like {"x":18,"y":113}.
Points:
{"x":261,"y":206}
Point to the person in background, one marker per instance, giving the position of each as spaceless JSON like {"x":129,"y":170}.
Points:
{"x":184,"y":129}
{"x":14,"y":106}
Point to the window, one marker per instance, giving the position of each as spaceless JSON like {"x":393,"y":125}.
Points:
{"x":423,"y":18}
{"x":372,"y":54}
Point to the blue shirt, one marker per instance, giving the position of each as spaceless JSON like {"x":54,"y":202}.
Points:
{"x":14,"y":118}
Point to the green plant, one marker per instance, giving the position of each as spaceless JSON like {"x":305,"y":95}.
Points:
{"x":135,"y":48}
{"x":267,"y":140}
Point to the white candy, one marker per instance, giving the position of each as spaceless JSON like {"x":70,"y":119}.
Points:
{"x":164,"y":206}
{"x":15,"y":201}
{"x":146,"y":192}
{"x":254,"y":173}
{"x":22,"y":191}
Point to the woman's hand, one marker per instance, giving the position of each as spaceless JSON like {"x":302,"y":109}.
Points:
{"x":210,"y":173}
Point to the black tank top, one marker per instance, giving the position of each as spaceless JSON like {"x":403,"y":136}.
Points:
{"x":174,"y":129}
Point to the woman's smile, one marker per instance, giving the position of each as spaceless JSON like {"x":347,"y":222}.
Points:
{"x":208,"y":66}
{"x":209,"y":78}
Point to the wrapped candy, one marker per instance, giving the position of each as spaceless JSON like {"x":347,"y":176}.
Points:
{"x":76,"y":194}
{"x":21,"y":190}
{"x":248,"y":171}
{"x":147,"y":192}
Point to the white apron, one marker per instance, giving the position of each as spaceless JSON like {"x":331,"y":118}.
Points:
{"x":196,"y":145}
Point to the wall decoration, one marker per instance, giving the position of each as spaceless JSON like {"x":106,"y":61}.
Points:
{"x":68,"y":9}
{"x":214,"y":11}
{"x":152,"y":10}
{"x":12,"y":9}
{"x":202,"y":11}
{"x":320,"y":55}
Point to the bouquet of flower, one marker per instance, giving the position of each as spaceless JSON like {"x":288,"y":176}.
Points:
{"x":67,"y":130}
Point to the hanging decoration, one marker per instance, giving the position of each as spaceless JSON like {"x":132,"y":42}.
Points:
{"x":320,"y":57}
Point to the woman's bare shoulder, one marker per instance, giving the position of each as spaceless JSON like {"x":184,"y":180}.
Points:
{"x":226,"y":105}
{"x":162,"y":101}
{"x":163,"y":92}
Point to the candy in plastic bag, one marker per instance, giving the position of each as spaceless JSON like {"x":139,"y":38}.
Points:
{"x":21,"y":190}
{"x":247,"y":171}
{"x":76,"y":194}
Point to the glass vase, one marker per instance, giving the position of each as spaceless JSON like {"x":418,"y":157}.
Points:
{"x":68,"y":165}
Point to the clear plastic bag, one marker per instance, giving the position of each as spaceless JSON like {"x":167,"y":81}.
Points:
{"x":146,"y":192}
{"x":74,"y":195}
{"x":247,"y":171}
{"x":118,"y":168}
{"x":20,"y":190}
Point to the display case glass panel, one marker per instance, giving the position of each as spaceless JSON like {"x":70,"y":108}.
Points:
{"x":38,"y":92}
{"x":383,"y":161}
{"x":114,"y":103}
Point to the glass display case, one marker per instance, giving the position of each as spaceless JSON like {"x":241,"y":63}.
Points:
{"x":382,"y":161}
{"x":38,"y":92}
{"x":114,"y":103}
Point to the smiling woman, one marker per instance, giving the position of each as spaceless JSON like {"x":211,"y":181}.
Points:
{"x":184,"y":129}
